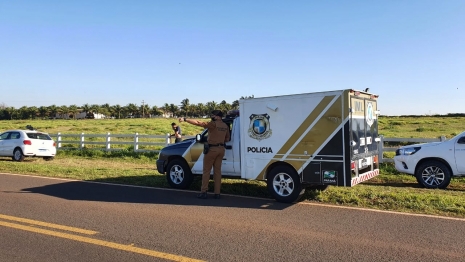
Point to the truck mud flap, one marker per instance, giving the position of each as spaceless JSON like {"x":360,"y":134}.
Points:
{"x":364,"y":176}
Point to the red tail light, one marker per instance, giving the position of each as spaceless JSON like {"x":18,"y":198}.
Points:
{"x":27,"y":142}
{"x":375,"y":160}
{"x":54,"y":144}
{"x":352,"y":165}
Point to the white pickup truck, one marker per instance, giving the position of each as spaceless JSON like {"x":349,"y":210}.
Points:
{"x":433,"y":164}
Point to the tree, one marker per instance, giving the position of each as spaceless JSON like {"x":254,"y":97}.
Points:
{"x":211,"y":106}
{"x":132,"y":109}
{"x":73,"y":109}
{"x":117,"y":109}
{"x":235,"y":104}
{"x":173,"y":109}
{"x":185,"y":106}
{"x":33,"y":112}
{"x":23,"y":112}
{"x":53,"y":109}
{"x":106,"y":109}
{"x":154,"y":111}
{"x":145,"y":108}
{"x":64,"y":110}
{"x":224,"y":106}
{"x":86,"y":108}
{"x":43,"y":112}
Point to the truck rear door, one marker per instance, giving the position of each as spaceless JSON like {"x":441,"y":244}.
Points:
{"x":364,"y":128}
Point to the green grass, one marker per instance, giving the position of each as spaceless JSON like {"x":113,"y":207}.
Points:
{"x":388,"y":191}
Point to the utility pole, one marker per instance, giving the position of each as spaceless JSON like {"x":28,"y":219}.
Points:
{"x":143,"y":113}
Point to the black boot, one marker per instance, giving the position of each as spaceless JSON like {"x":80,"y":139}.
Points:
{"x":217,"y":196}
{"x":202,"y":195}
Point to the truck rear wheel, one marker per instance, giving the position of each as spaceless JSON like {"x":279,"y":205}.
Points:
{"x":433,"y":174}
{"x":178,"y":174}
{"x":284,"y":184}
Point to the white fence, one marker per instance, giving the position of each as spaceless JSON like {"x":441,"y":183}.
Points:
{"x":385,"y":148}
{"x":108,"y":142}
{"x":153,"y":143}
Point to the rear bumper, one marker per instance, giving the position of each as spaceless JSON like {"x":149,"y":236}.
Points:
{"x":40,"y":153}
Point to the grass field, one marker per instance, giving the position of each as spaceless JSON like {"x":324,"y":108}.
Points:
{"x":389,"y":191}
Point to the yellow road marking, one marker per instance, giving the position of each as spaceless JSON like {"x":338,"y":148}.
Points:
{"x":44,"y":224}
{"x":98,"y":242}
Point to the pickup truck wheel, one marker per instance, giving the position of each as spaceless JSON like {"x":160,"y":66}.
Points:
{"x":433,"y":174}
{"x":18,"y":155}
{"x":178,"y":174}
{"x":284,"y":184}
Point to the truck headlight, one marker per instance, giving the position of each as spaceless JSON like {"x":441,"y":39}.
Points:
{"x":407,"y":151}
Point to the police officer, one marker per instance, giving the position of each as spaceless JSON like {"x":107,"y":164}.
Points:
{"x":218,"y":135}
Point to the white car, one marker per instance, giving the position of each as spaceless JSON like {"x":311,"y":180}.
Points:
{"x":19,"y":144}
{"x":433,"y":164}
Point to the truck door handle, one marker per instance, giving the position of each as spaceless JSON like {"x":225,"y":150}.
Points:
{"x":228,"y":147}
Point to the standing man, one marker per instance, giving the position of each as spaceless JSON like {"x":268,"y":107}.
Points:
{"x":177,"y":133}
{"x":218,"y":135}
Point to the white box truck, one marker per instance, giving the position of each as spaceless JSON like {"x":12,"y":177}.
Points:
{"x":292,"y":142}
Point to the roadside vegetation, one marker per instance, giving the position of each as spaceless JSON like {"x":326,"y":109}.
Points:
{"x":388,"y":191}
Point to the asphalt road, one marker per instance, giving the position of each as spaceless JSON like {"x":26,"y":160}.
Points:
{"x":61,"y":220}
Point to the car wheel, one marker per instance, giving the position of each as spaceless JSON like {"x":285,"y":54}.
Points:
{"x":18,"y":155}
{"x":178,"y":174}
{"x":48,"y":158}
{"x":433,"y":174}
{"x":284,"y":184}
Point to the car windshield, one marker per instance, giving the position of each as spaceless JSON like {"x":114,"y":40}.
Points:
{"x":39,"y":136}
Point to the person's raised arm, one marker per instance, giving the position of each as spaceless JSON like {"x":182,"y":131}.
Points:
{"x":193,"y":122}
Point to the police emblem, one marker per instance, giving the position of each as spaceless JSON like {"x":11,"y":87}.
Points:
{"x":259,"y":126}
{"x":370,"y":115}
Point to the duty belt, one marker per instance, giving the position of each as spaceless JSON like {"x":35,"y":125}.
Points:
{"x":215,"y":144}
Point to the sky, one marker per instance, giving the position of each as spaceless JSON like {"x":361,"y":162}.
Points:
{"x":409,"y":52}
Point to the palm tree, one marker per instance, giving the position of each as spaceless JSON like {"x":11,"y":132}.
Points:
{"x":105,"y":109}
{"x":73,"y":109}
{"x":211,"y":106}
{"x":132,"y":109}
{"x":23,"y":112}
{"x":173,"y":109}
{"x":224,"y":106}
{"x":95,"y":108}
{"x":117,"y":109}
{"x":145,"y":108}
{"x":154,"y":111}
{"x":86,"y":108}
{"x":33,"y":112}
{"x":43,"y":112}
{"x":185,"y":106}
{"x":235,"y":104}
{"x":53,"y":109}
{"x":64,"y":112}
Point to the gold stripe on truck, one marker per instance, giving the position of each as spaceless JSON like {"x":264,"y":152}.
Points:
{"x":323,"y":127}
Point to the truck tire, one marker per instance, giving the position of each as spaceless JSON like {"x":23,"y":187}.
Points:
{"x":284,"y":184}
{"x":433,"y":174}
{"x":178,"y":174}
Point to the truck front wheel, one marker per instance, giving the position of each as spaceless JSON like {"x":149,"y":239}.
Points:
{"x":178,"y":174}
{"x":284,"y":184}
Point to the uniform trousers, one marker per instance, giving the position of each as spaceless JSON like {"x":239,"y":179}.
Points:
{"x":213,"y":158}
